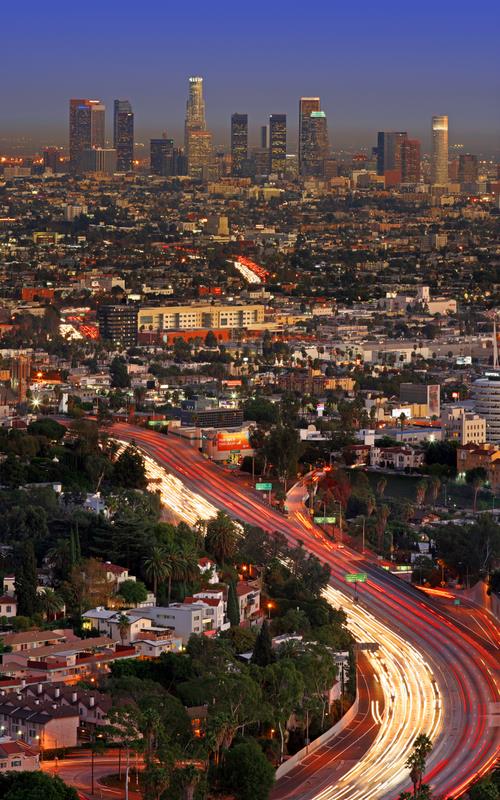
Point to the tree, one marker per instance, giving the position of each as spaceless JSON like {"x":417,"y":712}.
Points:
{"x":282,"y":449}
{"x":123,"y":627}
{"x":133,"y":592}
{"x":26,"y":579}
{"x":34,"y":786}
{"x":221,"y":537}
{"x":381,"y":524}
{"x":233,"y":608}
{"x":434,"y":488}
{"x":155,"y":567}
{"x":263,"y":651}
{"x":416,"y":761}
{"x":484,"y":789}
{"x":283,"y":687}
{"x":247,"y":772}
{"x":50,"y":602}
{"x":210,"y":340}
{"x":47,"y":427}
{"x":119,"y":374}
{"x":476,"y":478}
{"x":129,"y":469}
{"x":420,"y":492}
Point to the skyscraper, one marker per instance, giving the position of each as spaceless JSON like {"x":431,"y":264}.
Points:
{"x":199,"y":153}
{"x":277,"y":143}
{"x":123,"y":135}
{"x":263,"y":137}
{"x":307,"y":105}
{"x":410,"y":161}
{"x":161,"y":156}
{"x":197,"y":140}
{"x":389,"y":146}
{"x":316,"y":146}
{"x":86,"y":128}
{"x":239,"y":142}
{"x":439,"y":173}
{"x":467,"y":168}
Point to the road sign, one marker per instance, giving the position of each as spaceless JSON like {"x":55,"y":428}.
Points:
{"x":325,"y":520}
{"x":456,"y":601}
{"x":356,"y":577}
{"x":371,"y":647}
{"x":263,"y":487}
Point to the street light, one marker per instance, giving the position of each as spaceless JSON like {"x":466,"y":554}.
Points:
{"x":269,"y":607}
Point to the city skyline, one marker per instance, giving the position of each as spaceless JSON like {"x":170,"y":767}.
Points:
{"x":370,"y":77}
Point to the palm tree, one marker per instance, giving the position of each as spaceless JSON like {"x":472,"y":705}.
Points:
{"x":381,"y":487}
{"x":415,"y":762}
{"x":421,"y":489}
{"x":434,"y":487}
{"x":155,"y":566}
{"x":123,"y":626}
{"x":50,"y":602}
{"x":220,"y":539}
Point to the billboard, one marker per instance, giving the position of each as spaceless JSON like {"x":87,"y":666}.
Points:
{"x":233,"y":441}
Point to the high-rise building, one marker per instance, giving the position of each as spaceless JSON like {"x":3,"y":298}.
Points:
{"x":51,"y":159}
{"x":277,"y":143}
{"x":86,"y":128}
{"x":389,"y":146}
{"x":439,"y":174}
{"x":263,"y":137}
{"x":161,"y":156}
{"x":197,"y":140}
{"x":468,"y":169}
{"x":410,"y":161}
{"x":486,"y":394}
{"x":98,"y":159}
{"x":118,"y":324}
{"x":199,"y":153}
{"x":239,"y":142}
{"x":123,"y":135}
{"x":20,"y":372}
{"x":307,"y":105}
{"x":316,"y":146}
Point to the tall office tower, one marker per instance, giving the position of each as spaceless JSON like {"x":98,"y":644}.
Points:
{"x":86,"y":128}
{"x":277,"y":143}
{"x":410,"y":161}
{"x":197,"y":140}
{"x":239,"y":142}
{"x":439,"y":173}
{"x":51,"y":159}
{"x":123,"y":135}
{"x":263,"y":137}
{"x":199,"y":153}
{"x":389,"y":145}
{"x":316,"y":146}
{"x":161,"y":156}
{"x":468,"y":169}
{"x":307,"y":105}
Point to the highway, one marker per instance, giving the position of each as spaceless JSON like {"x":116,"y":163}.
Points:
{"x":443,"y":677}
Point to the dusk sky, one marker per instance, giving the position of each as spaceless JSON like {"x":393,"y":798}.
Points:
{"x":386,"y":65}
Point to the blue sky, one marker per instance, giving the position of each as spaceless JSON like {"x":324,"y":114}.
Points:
{"x":376,"y":65}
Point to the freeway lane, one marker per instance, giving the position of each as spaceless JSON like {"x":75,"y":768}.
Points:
{"x":463,"y":670}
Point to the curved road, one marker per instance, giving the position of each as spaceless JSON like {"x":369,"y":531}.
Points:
{"x":462,"y":668}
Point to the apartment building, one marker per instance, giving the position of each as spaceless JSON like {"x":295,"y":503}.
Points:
{"x":164,"y":318}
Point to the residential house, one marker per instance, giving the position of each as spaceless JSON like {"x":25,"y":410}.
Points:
{"x":17,"y":756}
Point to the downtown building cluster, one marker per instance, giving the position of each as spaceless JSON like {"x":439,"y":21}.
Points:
{"x":397,"y":157}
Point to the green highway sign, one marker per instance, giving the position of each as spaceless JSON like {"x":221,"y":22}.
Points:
{"x":456,"y":601}
{"x":325,"y":520}
{"x":263,"y":487}
{"x":404,"y":568}
{"x":356,"y":577}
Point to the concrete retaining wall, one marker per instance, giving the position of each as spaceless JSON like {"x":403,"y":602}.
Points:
{"x":317,"y":743}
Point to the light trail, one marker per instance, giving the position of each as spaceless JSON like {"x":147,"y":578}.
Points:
{"x":189,"y":506}
{"x":411,"y":707}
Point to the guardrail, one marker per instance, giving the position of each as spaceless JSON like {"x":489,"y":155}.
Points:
{"x":300,"y":755}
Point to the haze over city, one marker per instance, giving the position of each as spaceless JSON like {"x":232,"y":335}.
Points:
{"x":373,"y":71}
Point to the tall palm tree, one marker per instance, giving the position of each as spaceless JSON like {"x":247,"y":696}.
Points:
{"x":221,"y":537}
{"x":50,"y":602}
{"x":123,"y":626}
{"x":155,"y":566}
